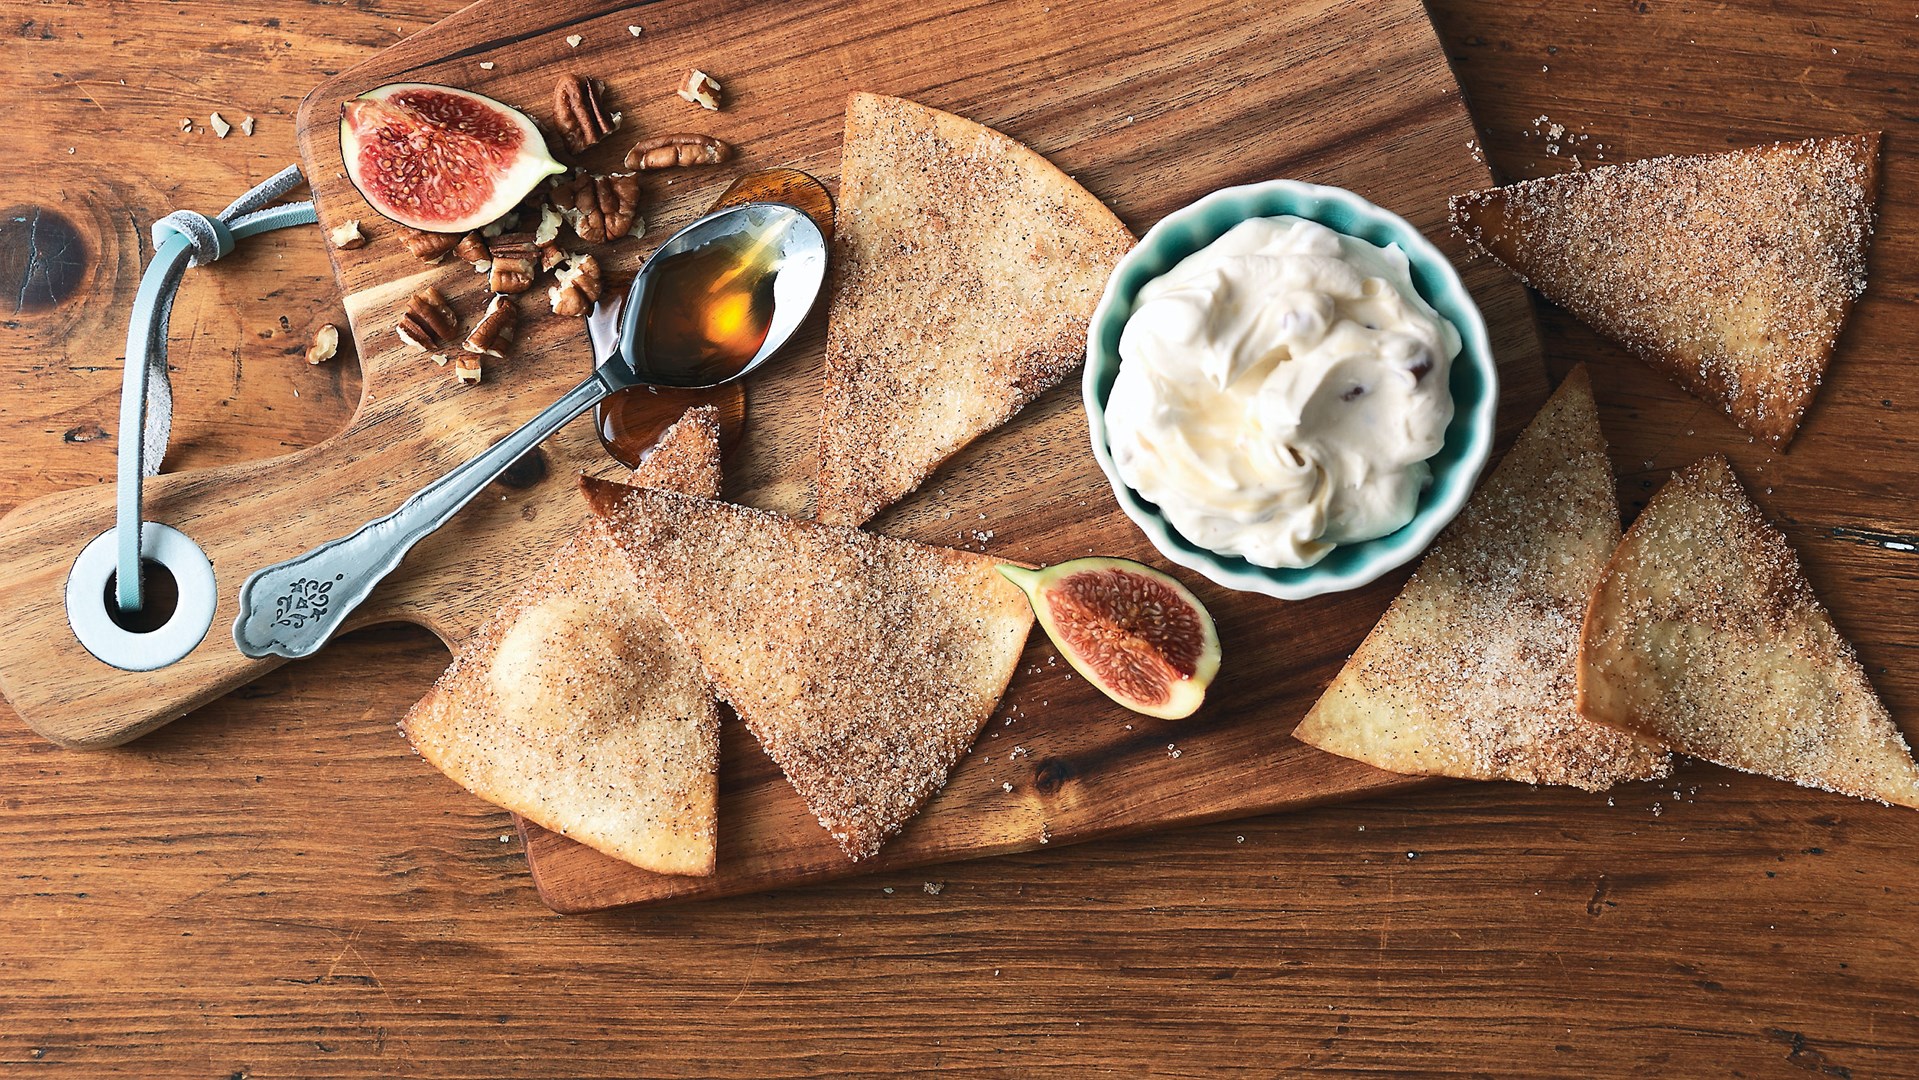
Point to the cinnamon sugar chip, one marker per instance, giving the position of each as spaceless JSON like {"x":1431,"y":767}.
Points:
{"x":1704,"y":633}
{"x":1732,"y":273}
{"x":967,"y":268}
{"x":1470,"y":673}
{"x":866,"y":666}
{"x":574,"y":705}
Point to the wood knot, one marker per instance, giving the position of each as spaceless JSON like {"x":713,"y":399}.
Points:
{"x":1051,"y":774}
{"x":526,"y":472}
{"x":43,"y":258}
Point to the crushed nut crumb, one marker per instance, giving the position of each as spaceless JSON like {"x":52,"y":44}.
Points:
{"x":326,"y":344}
{"x":347,"y":235}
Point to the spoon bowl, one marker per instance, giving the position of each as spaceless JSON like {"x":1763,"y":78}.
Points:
{"x":762,"y":254}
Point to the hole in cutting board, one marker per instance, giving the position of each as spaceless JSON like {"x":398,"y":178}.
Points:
{"x":160,"y":591}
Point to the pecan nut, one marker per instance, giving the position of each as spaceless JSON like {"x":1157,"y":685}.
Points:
{"x":600,"y":208}
{"x":548,"y":228}
{"x":700,"y":89}
{"x":429,"y":246}
{"x":326,"y":344}
{"x":576,"y":286}
{"x":428,"y":321}
{"x":466,"y":368}
{"x":472,"y":248}
{"x":580,"y":114}
{"x":515,"y":257}
{"x":677,"y":151}
{"x":495,"y":331}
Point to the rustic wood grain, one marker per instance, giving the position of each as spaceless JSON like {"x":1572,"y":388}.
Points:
{"x":277,"y":887}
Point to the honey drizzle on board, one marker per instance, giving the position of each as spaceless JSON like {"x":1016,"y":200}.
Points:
{"x":631,"y":421}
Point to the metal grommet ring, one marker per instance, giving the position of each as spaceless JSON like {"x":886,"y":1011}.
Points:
{"x":87,"y":599}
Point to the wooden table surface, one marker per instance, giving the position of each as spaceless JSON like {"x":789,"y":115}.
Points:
{"x":277,"y":887}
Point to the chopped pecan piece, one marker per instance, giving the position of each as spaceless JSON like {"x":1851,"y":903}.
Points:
{"x":548,"y":229}
{"x":677,"y":151}
{"x":700,"y":88}
{"x":496,"y":328}
{"x":576,"y":286}
{"x":473,"y":248}
{"x":514,"y":259}
{"x":326,"y":344}
{"x":430,"y":246}
{"x":552,"y":254}
{"x":580,"y":114}
{"x":601,"y":208}
{"x":466,"y":368}
{"x":428,"y":321}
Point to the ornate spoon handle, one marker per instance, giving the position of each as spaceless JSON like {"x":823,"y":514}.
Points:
{"x":291,"y":608}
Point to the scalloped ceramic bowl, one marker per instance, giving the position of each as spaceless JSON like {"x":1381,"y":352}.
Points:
{"x":1474,"y":382}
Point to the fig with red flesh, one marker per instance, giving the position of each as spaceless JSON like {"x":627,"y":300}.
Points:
{"x":441,"y":159}
{"x":1134,"y":632}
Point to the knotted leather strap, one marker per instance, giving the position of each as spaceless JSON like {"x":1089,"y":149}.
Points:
{"x":181,"y":239}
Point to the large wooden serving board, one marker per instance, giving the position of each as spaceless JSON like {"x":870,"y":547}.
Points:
{"x":1148,"y":105}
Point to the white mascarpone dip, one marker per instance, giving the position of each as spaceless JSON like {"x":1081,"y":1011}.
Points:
{"x":1280,"y":390}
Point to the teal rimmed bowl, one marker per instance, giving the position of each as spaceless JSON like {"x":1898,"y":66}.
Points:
{"x":1474,"y":382}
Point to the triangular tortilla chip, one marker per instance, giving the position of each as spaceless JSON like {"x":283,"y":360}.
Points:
{"x":1470,"y":673}
{"x":1704,"y":634}
{"x":576,"y":707}
{"x":865,"y":665}
{"x":1732,"y":273}
{"x":967,"y":268}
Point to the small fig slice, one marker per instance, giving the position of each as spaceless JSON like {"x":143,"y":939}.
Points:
{"x":1134,"y":632}
{"x":441,"y":159}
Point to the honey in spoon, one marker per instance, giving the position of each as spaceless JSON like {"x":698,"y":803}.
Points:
{"x":707,"y":318}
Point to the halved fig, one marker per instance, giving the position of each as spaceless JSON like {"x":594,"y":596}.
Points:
{"x":441,"y":159}
{"x":1134,"y":632}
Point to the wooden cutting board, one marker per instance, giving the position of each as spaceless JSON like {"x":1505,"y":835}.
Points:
{"x":1148,"y":105}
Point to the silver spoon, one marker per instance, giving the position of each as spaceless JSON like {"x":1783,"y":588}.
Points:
{"x":292,"y":608}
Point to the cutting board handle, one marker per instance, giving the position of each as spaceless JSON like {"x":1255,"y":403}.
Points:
{"x":411,"y":428}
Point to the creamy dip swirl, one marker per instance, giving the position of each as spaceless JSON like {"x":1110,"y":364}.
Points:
{"x":1280,"y":390}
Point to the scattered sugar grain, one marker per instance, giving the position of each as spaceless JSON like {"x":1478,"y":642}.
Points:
{"x":933,"y":887}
